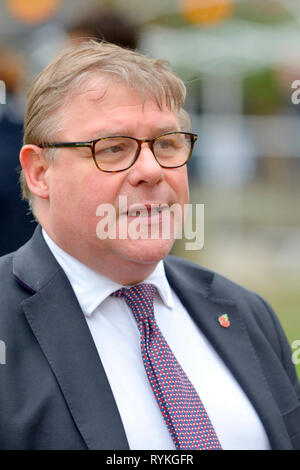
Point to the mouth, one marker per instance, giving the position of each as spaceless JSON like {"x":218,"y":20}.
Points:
{"x":146,"y":210}
{"x":147,"y":221}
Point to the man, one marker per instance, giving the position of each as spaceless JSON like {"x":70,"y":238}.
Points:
{"x":88,"y":365}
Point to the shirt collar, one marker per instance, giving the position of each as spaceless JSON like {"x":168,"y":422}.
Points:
{"x":92,"y":288}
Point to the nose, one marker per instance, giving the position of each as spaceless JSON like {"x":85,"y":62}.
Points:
{"x":146,"y":169}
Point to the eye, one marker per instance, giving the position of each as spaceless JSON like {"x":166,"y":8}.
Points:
{"x":164,"y":143}
{"x":113,"y":149}
{"x":169,"y":142}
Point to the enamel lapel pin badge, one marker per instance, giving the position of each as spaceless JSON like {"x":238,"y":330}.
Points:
{"x":224,"y":320}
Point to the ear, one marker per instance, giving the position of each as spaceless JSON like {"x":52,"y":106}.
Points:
{"x":35,"y":168}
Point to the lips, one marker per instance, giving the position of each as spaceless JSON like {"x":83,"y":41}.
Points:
{"x":146,"y":210}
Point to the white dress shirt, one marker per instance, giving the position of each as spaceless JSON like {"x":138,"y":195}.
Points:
{"x":117,"y":340}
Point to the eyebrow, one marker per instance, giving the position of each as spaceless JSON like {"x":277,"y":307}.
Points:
{"x":159,"y":131}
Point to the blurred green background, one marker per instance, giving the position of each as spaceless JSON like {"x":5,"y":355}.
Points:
{"x":239,"y":60}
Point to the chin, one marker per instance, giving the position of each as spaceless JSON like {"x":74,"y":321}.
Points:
{"x":147,"y":251}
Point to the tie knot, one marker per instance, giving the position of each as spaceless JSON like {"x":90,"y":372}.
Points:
{"x":139,"y":298}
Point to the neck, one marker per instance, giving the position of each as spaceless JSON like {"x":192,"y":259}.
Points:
{"x":121,"y":270}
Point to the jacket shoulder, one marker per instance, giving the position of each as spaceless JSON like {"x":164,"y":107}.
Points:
{"x":11,"y":293}
{"x":216,"y":285}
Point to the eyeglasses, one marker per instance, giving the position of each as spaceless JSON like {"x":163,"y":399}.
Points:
{"x":118,"y":153}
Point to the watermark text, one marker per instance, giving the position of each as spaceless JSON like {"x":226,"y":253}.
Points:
{"x":296,"y":353}
{"x":2,"y":92}
{"x":2,"y":352}
{"x":295,"y":97}
{"x":157,"y":221}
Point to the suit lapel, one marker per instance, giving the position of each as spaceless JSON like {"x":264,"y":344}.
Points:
{"x":59,"y":326}
{"x":232,"y":344}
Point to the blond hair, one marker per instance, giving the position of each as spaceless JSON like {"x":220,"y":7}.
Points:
{"x":56,"y":84}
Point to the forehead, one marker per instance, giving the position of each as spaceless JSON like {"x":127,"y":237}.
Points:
{"x":101,"y":106}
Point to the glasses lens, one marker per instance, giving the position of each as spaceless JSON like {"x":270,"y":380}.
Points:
{"x":115,"y":153}
{"x":173,"y":150}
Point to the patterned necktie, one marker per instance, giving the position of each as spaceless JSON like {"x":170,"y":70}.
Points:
{"x":181,"y":407}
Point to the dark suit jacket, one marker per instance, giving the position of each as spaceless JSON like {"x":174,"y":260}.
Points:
{"x":54,"y":393}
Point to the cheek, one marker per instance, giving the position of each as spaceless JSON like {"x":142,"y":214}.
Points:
{"x":95,"y":189}
{"x":180,"y":185}
{"x":69,"y":194}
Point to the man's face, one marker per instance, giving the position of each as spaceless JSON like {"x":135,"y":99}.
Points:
{"x":77,"y":188}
